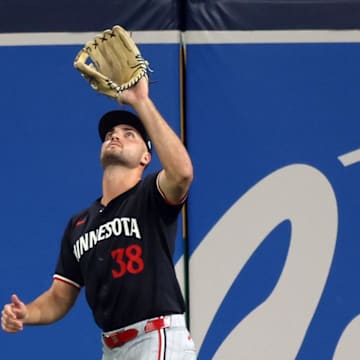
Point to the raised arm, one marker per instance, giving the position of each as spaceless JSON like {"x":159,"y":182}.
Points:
{"x":49,"y":307}
{"x":177,"y":174}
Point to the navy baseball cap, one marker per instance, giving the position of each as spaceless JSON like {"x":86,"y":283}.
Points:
{"x":118,"y":117}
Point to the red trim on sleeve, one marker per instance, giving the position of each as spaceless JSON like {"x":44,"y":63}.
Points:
{"x":172,"y":203}
{"x":67,"y":281}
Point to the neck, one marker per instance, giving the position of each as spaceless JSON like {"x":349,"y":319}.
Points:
{"x":117,"y":180}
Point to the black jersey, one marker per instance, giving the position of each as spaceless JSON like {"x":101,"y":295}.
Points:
{"x":122,"y":255}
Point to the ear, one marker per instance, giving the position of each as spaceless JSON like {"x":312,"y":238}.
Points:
{"x":146,"y":158}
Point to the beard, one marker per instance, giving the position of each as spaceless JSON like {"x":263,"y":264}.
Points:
{"x":110,"y":158}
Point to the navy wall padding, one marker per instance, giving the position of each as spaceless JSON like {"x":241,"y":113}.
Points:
{"x":82,"y":15}
{"x":272,"y":14}
{"x":96,"y":15}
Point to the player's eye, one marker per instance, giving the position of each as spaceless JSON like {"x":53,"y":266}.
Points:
{"x":108,"y":135}
{"x":129,"y":134}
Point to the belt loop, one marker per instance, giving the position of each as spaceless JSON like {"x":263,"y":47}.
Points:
{"x":158,"y":324}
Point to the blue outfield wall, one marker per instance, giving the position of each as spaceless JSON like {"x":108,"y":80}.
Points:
{"x":272,"y":212}
{"x":51,"y":169}
{"x":273,"y":130}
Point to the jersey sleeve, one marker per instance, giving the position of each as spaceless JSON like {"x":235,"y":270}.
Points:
{"x":165,"y":207}
{"x":68,"y":268}
{"x":162,"y":213}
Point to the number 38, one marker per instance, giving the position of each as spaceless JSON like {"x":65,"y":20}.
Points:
{"x":128,"y":260}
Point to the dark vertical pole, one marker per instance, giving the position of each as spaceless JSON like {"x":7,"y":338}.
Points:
{"x":182,"y":5}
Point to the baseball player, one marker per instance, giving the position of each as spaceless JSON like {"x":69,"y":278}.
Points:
{"x":120,"y":248}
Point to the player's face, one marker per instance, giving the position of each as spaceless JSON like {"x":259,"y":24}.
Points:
{"x":123,"y":145}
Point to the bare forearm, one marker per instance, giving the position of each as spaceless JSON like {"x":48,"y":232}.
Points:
{"x":177,"y":174}
{"x":47,"y":309}
{"x":171,"y":151}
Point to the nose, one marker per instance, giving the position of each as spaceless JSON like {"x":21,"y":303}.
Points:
{"x":115,"y":136}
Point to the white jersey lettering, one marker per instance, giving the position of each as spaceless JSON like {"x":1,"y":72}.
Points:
{"x":119,"y":226}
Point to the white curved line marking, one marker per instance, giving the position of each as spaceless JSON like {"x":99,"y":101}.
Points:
{"x":276,"y":328}
{"x":348,"y":347}
{"x":350,"y":158}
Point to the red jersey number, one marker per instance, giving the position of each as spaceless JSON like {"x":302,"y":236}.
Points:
{"x":128,"y":259}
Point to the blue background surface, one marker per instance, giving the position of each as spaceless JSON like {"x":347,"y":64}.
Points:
{"x":251,"y":109}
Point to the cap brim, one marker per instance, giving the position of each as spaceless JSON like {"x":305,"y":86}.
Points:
{"x":119,"y":117}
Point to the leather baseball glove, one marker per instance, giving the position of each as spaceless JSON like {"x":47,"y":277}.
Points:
{"x":114,"y":62}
